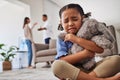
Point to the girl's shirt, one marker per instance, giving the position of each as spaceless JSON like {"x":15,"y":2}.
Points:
{"x":63,"y":48}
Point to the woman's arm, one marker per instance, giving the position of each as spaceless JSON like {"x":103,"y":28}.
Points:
{"x":75,"y":58}
{"x":87,"y":44}
{"x":34,"y":25}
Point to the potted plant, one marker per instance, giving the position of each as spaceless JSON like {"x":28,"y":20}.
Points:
{"x":7,"y":55}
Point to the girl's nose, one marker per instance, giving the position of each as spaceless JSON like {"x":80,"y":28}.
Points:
{"x":70,"y":23}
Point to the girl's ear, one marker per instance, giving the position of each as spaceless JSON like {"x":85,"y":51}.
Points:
{"x":83,"y":16}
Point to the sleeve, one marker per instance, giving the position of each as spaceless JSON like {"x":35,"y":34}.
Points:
{"x":61,"y":48}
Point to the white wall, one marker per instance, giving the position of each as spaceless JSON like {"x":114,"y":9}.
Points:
{"x":12,"y":14}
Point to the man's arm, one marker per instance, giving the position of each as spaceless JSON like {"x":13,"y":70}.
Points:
{"x":42,"y":28}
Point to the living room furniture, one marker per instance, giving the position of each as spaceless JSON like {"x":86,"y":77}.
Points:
{"x":44,"y":52}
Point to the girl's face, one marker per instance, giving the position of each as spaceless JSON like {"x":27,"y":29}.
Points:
{"x":71,"y":20}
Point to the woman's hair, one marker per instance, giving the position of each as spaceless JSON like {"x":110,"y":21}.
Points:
{"x":25,"y":21}
{"x":69,"y":6}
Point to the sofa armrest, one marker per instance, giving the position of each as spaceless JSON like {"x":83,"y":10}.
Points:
{"x":36,"y":47}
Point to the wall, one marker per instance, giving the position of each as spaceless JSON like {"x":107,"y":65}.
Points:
{"x":12,"y":14}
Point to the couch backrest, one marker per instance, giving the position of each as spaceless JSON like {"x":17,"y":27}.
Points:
{"x":52,"y":43}
{"x":115,"y":47}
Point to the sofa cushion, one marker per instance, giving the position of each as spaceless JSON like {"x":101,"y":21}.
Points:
{"x":47,"y":52}
{"x":52,"y":43}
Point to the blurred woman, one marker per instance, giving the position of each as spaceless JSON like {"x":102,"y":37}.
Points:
{"x":29,"y":39}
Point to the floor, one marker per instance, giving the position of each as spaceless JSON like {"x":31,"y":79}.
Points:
{"x":28,"y":74}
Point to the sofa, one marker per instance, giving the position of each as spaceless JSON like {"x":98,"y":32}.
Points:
{"x":44,"y":52}
{"x":47,"y":52}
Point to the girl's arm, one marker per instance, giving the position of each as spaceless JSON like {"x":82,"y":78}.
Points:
{"x":63,"y":52}
{"x":75,"y":58}
{"x":87,"y":44}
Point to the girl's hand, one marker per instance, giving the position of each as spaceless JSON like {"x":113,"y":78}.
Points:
{"x":70,"y":37}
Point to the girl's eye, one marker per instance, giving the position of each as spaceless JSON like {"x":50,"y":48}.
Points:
{"x":74,"y":19}
{"x":65,"y":21}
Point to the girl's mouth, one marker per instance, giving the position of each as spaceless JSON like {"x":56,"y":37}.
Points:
{"x":72,"y":30}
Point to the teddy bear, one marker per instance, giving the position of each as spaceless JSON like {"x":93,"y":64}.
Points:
{"x":95,"y":31}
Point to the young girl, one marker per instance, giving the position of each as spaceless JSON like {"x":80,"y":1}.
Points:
{"x":67,"y":67}
{"x":29,"y":39}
